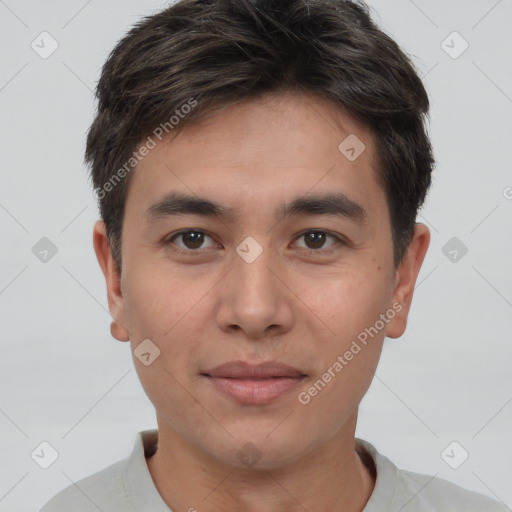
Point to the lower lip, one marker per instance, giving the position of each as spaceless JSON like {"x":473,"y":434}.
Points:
{"x":255,"y":392}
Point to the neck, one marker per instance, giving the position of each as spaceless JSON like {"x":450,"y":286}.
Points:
{"x":330,"y":478}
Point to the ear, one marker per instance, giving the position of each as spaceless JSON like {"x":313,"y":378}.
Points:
{"x":405,"y":279}
{"x":113,"y":281}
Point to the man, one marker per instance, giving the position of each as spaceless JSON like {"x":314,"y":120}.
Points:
{"x":259,"y":167}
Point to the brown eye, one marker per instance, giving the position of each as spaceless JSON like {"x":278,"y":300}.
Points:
{"x":189,"y":241}
{"x":315,"y":240}
{"x":192,"y":239}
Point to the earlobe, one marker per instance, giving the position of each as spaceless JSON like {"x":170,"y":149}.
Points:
{"x":113,"y":281}
{"x":405,"y":279}
{"x":118,"y":332}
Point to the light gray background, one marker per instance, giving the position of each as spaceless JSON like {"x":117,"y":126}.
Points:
{"x":66,"y":381}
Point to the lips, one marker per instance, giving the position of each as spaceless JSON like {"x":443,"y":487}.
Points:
{"x":245,"y":371}
{"x":254,"y":384}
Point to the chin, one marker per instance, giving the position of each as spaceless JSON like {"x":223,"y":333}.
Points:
{"x":262,"y":449}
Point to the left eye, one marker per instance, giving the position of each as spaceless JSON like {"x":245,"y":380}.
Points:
{"x":316,"y":239}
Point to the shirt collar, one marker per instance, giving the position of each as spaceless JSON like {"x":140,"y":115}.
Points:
{"x":386,"y":482}
{"x":139,"y":485}
{"x":141,"y":489}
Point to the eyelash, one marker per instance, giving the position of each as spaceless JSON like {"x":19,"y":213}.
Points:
{"x":339,"y":241}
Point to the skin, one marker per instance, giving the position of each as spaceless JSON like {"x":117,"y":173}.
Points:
{"x":299,"y":306}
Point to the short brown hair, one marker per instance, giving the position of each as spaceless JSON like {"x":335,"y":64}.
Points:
{"x":216,"y":52}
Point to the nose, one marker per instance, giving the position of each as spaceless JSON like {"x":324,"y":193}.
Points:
{"x":255,"y":298}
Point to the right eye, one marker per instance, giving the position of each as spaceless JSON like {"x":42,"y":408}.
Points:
{"x":191,"y":241}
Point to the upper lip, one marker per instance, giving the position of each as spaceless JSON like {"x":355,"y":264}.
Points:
{"x":243,"y":370}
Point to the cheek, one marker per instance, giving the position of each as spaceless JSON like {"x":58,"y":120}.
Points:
{"x":346,"y":365}
{"x":158,"y":308}
{"x":348,"y":306}
{"x":170,"y":310}
{"x":345,"y":302}
{"x":158,"y":302}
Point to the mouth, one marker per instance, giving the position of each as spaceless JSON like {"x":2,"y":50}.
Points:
{"x":254,"y":385}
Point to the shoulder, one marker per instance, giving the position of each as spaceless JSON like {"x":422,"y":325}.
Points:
{"x":431,"y":493}
{"x":101,"y":491}
{"x":406,"y":491}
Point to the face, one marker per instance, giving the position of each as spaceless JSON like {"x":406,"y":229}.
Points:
{"x":288,"y":259}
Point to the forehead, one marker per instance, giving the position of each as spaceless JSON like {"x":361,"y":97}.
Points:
{"x":273,"y":147}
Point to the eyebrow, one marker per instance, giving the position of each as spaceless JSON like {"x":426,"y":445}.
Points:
{"x":334,"y":204}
